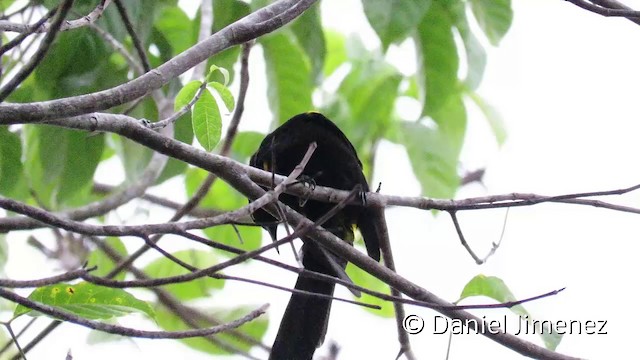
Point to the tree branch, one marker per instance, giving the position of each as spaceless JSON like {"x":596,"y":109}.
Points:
{"x":263,"y":21}
{"x":120,"y":330}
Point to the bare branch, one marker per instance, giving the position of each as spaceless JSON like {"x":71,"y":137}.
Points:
{"x":250,"y":27}
{"x":31,"y":30}
{"x":68,"y":276}
{"x":608,"y":8}
{"x":134,"y":37}
{"x":90,"y":18}
{"x":37,"y":57}
{"x":120,"y":330}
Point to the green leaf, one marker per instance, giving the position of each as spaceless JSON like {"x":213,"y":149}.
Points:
{"x":254,"y":329}
{"x":182,"y":131}
{"x":336,"y":51}
{"x":133,"y":156}
{"x":6,"y":4}
{"x":288,"y":75}
{"x":494,"y":18}
{"x":492,"y":115}
{"x":369,"y":91}
{"x":245,"y":144}
{"x":310,"y":35}
{"x":207,"y":122}
{"x":225,"y":95}
{"x":104,"y":263}
{"x":143,"y":14}
{"x":222,"y":196}
{"x":476,"y":55}
{"x":176,"y":27}
{"x":224,"y":72}
{"x":186,"y":94}
{"x":61,"y":163}
{"x":364,"y":279}
{"x":226,"y":12}
{"x":78,"y":62}
{"x":12,"y":183}
{"x":491,"y":287}
{"x":434,"y":150}
{"x":87,"y":300}
{"x":495,"y":288}
{"x":247,"y":238}
{"x":437,"y":59}
{"x":83,"y":154}
{"x":394,"y":20}
{"x":193,"y":289}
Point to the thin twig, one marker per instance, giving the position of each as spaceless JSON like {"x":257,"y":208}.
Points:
{"x":42,"y":50}
{"x":121,"y":330}
{"x":226,"y":147}
{"x":142,"y":54}
{"x":31,"y":30}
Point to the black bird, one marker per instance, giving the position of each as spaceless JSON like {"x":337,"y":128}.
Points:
{"x":333,"y":164}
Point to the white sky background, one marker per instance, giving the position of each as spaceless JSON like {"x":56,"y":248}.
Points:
{"x":565,"y":81}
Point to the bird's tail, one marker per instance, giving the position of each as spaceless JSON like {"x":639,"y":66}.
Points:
{"x":306,"y":318}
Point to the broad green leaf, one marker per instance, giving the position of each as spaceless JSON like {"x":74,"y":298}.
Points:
{"x":491,"y":287}
{"x":476,"y":56}
{"x":254,"y":329}
{"x":12,"y":181}
{"x":133,"y":156}
{"x":336,"y":51}
{"x":225,"y":12}
{"x":310,"y":35}
{"x":4,"y":5}
{"x":186,"y":94}
{"x":83,"y":155}
{"x":182,"y":131}
{"x":225,"y":95}
{"x":434,"y":150}
{"x":288,"y":75}
{"x":221,"y":196}
{"x":494,"y":17}
{"x":394,"y":20}
{"x":61,"y":163}
{"x":245,"y":144}
{"x":493,"y":117}
{"x":87,"y":300}
{"x":432,"y":159}
{"x":78,"y":62}
{"x":224,"y":72}
{"x":495,"y":288}
{"x":452,"y":122}
{"x":103,"y":262}
{"x":73,"y":53}
{"x":364,"y":279}
{"x":246,"y":238}
{"x":193,"y":289}
{"x":365,"y":99}
{"x":207,"y":122}
{"x":143,"y":14}
{"x":437,"y":59}
{"x":176,"y":27}
{"x":412,"y":90}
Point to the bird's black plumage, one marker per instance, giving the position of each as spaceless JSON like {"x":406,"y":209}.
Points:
{"x":333,"y":164}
